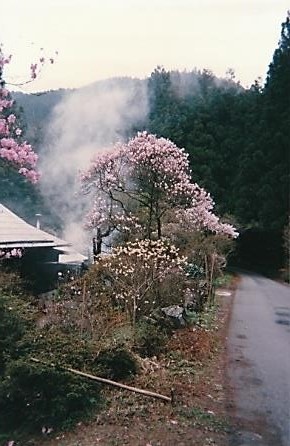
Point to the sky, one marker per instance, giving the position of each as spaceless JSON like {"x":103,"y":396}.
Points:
{"x":99,"y":39}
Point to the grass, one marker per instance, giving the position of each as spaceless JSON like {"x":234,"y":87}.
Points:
{"x":205,"y":419}
{"x":224,"y":281}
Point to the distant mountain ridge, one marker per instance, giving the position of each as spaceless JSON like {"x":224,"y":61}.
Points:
{"x":36,"y":108}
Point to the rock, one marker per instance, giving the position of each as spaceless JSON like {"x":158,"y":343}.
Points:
{"x":175,"y":313}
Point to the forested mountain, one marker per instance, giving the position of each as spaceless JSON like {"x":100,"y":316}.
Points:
{"x":238,"y":142}
{"x":36,"y":109}
{"x":237,"y":138}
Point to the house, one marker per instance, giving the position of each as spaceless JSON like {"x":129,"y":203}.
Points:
{"x":43,"y":255}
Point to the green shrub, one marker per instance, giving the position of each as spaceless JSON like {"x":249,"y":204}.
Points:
{"x":150,"y":339}
{"x":224,"y":280}
{"x":10,"y":282}
{"x":194,"y":271}
{"x":15,"y":317}
{"x":53,"y":346}
{"x":33,"y":395}
{"x":116,"y":363}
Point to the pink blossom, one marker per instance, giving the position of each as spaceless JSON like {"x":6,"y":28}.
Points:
{"x":4,"y":129}
{"x":199,"y":216}
{"x":19,"y":153}
{"x":151,"y":174}
{"x":10,"y":253}
{"x":11,"y":119}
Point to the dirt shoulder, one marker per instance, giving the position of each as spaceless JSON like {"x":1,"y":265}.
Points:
{"x":194,"y":369}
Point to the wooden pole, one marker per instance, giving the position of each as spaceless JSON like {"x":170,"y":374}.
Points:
{"x":108,"y":381}
{"x":83,"y":308}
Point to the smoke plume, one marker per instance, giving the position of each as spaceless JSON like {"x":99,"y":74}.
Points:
{"x":85,"y":121}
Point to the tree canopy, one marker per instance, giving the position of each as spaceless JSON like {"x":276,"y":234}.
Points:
{"x":237,"y":138}
{"x":139,"y":186}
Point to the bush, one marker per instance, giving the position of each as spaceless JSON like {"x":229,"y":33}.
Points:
{"x":194,"y":271}
{"x":34,"y":395}
{"x":150,"y":339}
{"x":15,"y":316}
{"x":116,"y":363}
{"x":65,"y":349}
{"x":10,"y":282}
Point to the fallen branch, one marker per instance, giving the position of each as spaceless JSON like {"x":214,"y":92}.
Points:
{"x":108,"y":381}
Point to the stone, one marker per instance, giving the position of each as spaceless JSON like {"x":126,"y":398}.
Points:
{"x":175,"y":314}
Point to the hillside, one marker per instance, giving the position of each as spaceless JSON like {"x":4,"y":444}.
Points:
{"x":36,"y":110}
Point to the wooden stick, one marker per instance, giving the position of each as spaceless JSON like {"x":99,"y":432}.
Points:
{"x":83,"y":307}
{"x":108,"y":381}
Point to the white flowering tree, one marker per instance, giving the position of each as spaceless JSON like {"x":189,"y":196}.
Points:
{"x":6,"y":254}
{"x":137,"y":269}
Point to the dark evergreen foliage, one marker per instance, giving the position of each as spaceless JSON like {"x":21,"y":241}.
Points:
{"x":237,"y":139}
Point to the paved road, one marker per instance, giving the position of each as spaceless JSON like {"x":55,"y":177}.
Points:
{"x":259,"y":361}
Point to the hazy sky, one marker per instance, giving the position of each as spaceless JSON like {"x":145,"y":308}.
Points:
{"x":97,"y":39}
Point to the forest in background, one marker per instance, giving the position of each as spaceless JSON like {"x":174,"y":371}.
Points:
{"x":237,"y":139}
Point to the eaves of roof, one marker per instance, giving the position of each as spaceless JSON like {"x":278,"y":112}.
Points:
{"x":30,"y":244}
{"x":16,"y":233}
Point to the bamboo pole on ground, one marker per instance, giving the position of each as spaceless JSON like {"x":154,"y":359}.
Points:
{"x":108,"y":381}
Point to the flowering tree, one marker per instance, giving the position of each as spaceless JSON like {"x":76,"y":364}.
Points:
{"x":144,"y":189}
{"x":200,"y":216}
{"x":137,"y":269}
{"x":15,"y":152}
{"x":137,"y":186}
{"x":13,"y":149}
{"x":136,"y":183}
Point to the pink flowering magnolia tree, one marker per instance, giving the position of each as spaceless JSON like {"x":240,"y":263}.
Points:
{"x":138,"y":185}
{"x":14,"y":150}
{"x":199,"y":216}
{"x":138,"y":182}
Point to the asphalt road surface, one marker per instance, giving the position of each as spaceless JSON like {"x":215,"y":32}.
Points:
{"x":259,"y":362}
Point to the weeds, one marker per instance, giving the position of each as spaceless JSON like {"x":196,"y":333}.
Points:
{"x":205,"y":419}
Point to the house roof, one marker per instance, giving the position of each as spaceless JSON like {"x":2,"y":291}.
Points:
{"x":71,"y":256}
{"x":16,"y":233}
